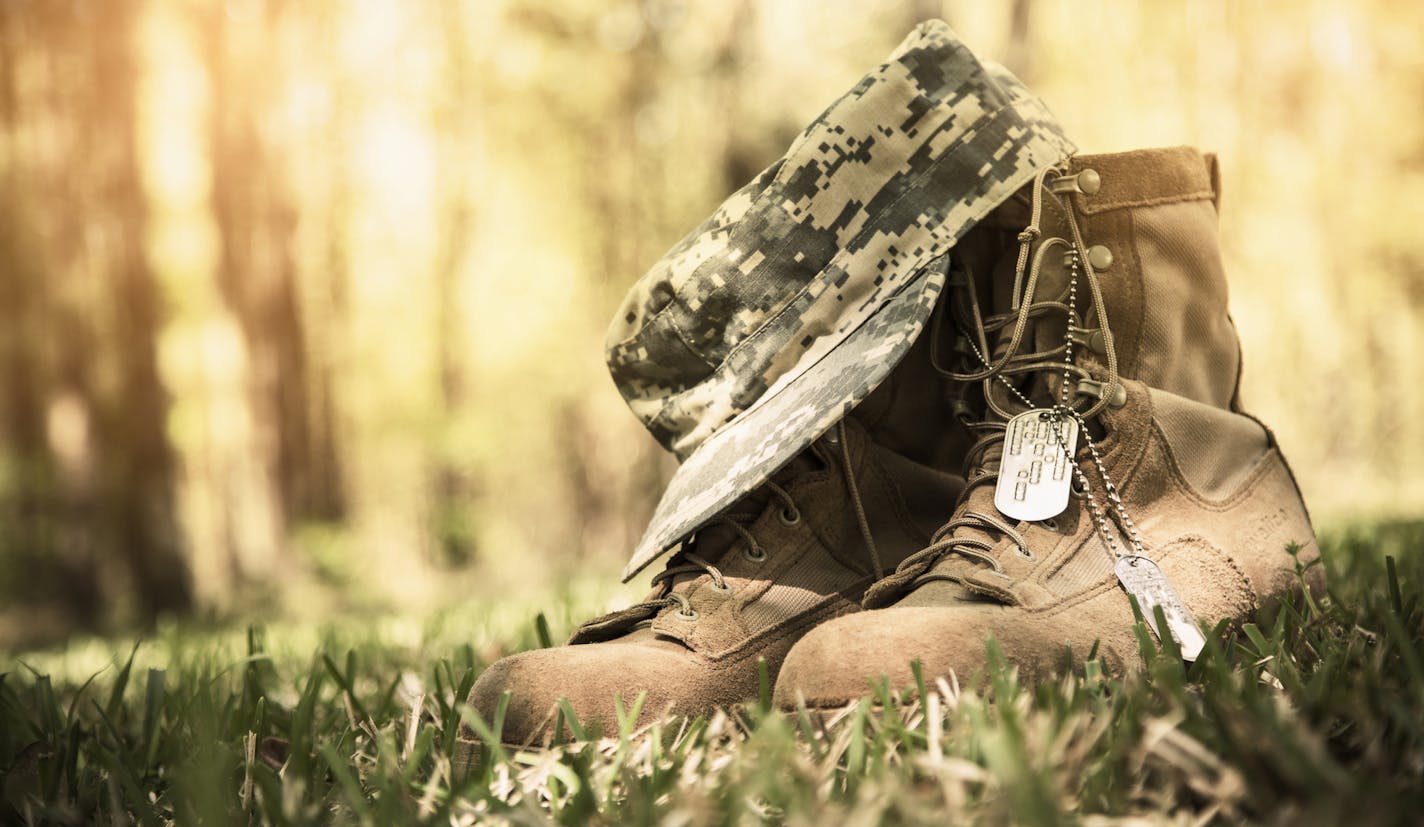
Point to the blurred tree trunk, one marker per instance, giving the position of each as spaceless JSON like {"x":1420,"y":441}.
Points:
{"x":452,"y":488}
{"x":91,"y":510}
{"x":30,"y":565}
{"x":256,"y":220}
{"x":131,"y":420}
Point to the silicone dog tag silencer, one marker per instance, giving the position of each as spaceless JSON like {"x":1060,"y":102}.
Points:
{"x":1036,"y":472}
{"x":1144,"y":580}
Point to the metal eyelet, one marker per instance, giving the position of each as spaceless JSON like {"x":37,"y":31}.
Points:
{"x":755,"y":555}
{"x":1089,"y":338}
{"x":1100,"y":390}
{"x":689,"y":615}
{"x":724,"y":588}
{"x":1025,"y":554}
{"x":789,"y":516}
{"x":1088,"y":182}
{"x":1050,"y":524}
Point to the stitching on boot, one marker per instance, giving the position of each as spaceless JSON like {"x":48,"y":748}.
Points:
{"x":798,"y":626}
{"x":1259,"y":470}
{"x":827,"y":532}
{"x":1167,"y":550}
{"x":765,"y":575}
{"x":1105,"y":206}
{"x":1123,"y":455}
{"x":1136,"y":289}
{"x":1071,"y":550}
{"x":1179,"y":168}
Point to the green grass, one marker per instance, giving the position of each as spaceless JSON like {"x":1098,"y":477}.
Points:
{"x":1314,"y":718}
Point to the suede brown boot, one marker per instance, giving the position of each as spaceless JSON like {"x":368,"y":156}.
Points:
{"x":1103,"y":329}
{"x":798,"y":551}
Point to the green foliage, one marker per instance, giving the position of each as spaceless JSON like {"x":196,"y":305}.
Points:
{"x":1314,"y":713}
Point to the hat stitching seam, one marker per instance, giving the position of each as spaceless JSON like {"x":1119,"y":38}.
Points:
{"x":683,"y":337}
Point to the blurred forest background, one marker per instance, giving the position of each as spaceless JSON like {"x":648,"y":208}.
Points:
{"x":302,"y":303}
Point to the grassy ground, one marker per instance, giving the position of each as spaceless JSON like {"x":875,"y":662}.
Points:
{"x":1316,"y":718}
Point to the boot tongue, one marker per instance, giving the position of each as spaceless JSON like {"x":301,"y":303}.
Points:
{"x":1042,"y":333}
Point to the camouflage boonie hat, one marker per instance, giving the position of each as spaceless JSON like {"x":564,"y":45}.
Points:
{"x":778,"y":314}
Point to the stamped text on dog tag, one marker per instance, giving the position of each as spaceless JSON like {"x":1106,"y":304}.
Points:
{"x":1036,"y":472}
{"x":1144,"y":580}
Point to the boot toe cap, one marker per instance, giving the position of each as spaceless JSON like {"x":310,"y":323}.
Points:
{"x":845,"y":659}
{"x":590,"y":677}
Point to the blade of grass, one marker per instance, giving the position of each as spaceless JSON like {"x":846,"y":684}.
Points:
{"x":121,"y":682}
{"x":541,"y":631}
{"x":575,"y":727}
{"x":152,"y":711}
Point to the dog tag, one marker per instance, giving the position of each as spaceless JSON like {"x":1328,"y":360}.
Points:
{"x":1144,"y":580}
{"x":1036,"y":471}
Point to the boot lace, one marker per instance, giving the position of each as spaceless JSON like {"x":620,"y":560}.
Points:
{"x":1002,"y":396}
{"x":688,"y":563}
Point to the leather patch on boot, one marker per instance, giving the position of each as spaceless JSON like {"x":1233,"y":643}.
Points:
{"x":1211,"y":584}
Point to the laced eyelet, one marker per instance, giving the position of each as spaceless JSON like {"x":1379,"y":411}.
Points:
{"x":789,"y":516}
{"x":688,"y":615}
{"x":724,"y":587}
{"x":1025,"y":554}
{"x":1050,"y":524}
{"x":755,"y":555}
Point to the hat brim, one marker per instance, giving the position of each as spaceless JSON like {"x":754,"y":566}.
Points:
{"x":786,"y":419}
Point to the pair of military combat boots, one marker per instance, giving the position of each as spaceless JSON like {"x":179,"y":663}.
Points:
{"x":1064,"y":439}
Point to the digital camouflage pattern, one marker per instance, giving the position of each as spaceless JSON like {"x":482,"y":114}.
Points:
{"x":778,"y":314}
